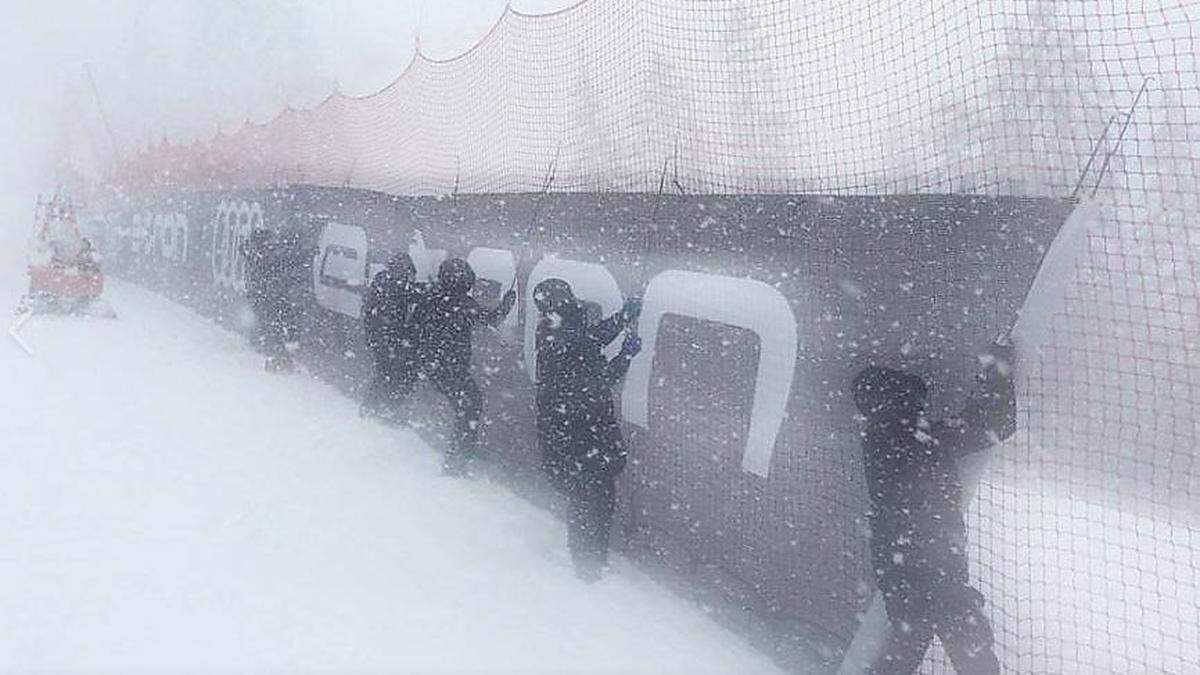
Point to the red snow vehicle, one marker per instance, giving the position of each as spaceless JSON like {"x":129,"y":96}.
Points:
{"x":64,"y":269}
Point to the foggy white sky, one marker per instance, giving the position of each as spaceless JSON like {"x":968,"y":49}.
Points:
{"x":180,"y":67}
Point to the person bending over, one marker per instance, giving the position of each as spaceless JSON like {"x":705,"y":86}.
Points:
{"x":272,"y":264}
{"x":391,"y":335}
{"x":583,"y":451}
{"x":918,"y":534}
{"x":446,"y":317}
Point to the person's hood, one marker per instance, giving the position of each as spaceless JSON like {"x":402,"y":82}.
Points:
{"x":455,"y":277}
{"x":401,"y":268}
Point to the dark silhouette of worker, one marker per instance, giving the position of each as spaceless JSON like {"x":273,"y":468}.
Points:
{"x":88,"y":260}
{"x":275,"y":268}
{"x":446,"y":318}
{"x":391,"y":335}
{"x":918,"y":535}
{"x":583,"y":451}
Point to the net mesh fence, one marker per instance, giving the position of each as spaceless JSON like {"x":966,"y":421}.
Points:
{"x":1084,"y":535}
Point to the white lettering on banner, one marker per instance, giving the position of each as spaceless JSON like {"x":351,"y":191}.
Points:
{"x":135,"y":233}
{"x":231,"y":231}
{"x":161,"y":235}
{"x":222,"y":222}
{"x":744,"y":303}
{"x":171,"y":235}
{"x":180,"y":224}
{"x":590,"y":282}
{"x":154,"y":222}
{"x":340,"y":275}
{"x":426,"y":260}
{"x":500,"y":266}
{"x":340,"y":269}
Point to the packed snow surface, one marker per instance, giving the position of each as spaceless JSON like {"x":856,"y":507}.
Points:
{"x":164,"y":503}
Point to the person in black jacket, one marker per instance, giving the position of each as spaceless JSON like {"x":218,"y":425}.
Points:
{"x":391,"y":334}
{"x":918,"y":534}
{"x":87,"y":260}
{"x":271,"y":270}
{"x":446,"y":317}
{"x":583,"y":451}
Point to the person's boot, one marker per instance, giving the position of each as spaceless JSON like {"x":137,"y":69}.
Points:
{"x":369,"y":406}
{"x":589,"y":567}
{"x":588,"y":573}
{"x":588,"y":570}
{"x":455,"y":465}
{"x":372,"y":401}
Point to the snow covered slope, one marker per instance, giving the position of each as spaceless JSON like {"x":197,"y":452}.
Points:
{"x":163,"y":502}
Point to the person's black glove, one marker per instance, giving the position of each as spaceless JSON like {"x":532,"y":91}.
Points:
{"x":631,"y":346}
{"x":997,"y":392}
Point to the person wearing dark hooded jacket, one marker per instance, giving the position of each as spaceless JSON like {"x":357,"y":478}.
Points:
{"x":583,"y":451}
{"x":918,"y":534}
{"x":446,"y":318}
{"x":270,"y":274}
{"x":391,"y":334}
